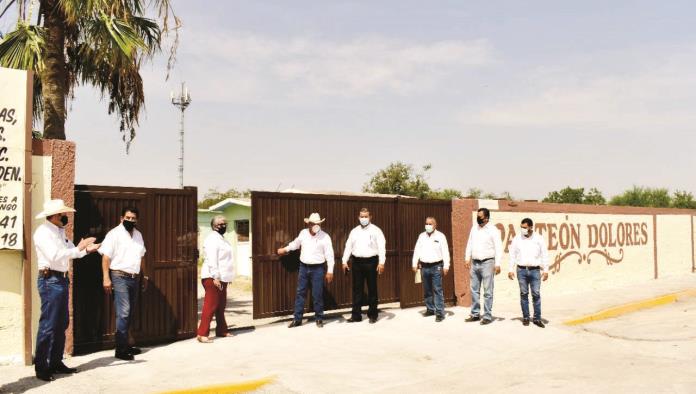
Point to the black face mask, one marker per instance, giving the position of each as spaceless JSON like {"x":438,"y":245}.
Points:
{"x":64,"y":220}
{"x":129,"y":225}
{"x":479,"y":220}
{"x":222,"y":230}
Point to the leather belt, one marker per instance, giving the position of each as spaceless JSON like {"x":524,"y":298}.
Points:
{"x":47,"y":272}
{"x":124,"y":273}
{"x":482,"y":260}
{"x":528,"y":268}
{"x":431,"y":264}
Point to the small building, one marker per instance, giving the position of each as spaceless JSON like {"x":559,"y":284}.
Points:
{"x":237,"y":211}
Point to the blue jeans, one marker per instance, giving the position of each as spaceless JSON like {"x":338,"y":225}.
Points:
{"x":482,"y":274}
{"x":432,"y":289}
{"x":313,"y":273}
{"x":530,"y":279}
{"x":50,"y":339}
{"x":125,"y":297}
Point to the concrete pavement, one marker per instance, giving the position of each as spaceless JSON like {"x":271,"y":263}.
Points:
{"x":647,"y":351}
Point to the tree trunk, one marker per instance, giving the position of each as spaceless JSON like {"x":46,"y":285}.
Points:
{"x":54,"y":78}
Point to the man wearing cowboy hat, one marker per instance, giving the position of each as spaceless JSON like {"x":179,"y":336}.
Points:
{"x":53,"y":254}
{"x":316,"y":251}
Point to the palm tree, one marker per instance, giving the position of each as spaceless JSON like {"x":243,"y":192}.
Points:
{"x":97,"y":42}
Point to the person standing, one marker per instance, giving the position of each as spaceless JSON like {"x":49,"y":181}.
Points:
{"x":123,"y":250}
{"x":528,"y":252}
{"x":431,"y":255}
{"x":485,"y":249}
{"x":316,"y":254}
{"x":367,"y":246}
{"x":53,"y":254}
{"x":216,"y":273}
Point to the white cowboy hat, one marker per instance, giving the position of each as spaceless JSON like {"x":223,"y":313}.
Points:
{"x":53,"y":207}
{"x":314,"y":218}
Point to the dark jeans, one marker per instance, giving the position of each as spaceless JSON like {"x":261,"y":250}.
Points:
{"x":365,"y":270}
{"x":313,"y":273}
{"x":432,"y":288}
{"x":530,"y":279}
{"x":50,"y":339}
{"x":125,"y":296}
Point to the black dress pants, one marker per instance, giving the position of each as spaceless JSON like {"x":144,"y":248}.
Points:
{"x":364,"y":270}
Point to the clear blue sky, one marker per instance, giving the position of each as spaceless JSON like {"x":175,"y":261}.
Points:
{"x":525,"y":97}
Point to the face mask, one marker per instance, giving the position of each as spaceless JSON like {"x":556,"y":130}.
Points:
{"x":524,"y":231}
{"x":316,"y":228}
{"x":429,"y":228}
{"x":364,"y":221}
{"x":479,"y":220}
{"x":64,"y":220}
{"x":222,"y":229}
{"x":129,"y":225}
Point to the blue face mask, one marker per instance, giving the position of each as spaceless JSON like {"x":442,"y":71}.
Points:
{"x":364,"y":221}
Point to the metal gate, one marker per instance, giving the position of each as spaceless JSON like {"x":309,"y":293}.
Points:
{"x":167,"y":311}
{"x":277,"y":218}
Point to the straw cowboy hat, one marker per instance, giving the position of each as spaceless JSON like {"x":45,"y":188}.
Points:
{"x":53,"y":207}
{"x":314,"y":218}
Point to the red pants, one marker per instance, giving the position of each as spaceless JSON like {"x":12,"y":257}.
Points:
{"x":214,"y":303}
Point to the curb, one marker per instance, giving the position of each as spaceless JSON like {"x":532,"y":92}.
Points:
{"x":632,"y":307}
{"x":241,"y":387}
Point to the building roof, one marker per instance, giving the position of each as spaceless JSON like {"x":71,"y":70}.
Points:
{"x":228,"y":202}
{"x":342,"y":193}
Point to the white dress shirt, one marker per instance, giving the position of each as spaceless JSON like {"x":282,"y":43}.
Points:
{"x":53,"y":250}
{"x":529,"y":252}
{"x":217,"y":260}
{"x":484,"y":243}
{"x":315,"y":249}
{"x":366,"y":241}
{"x":431,"y":248}
{"x":125,"y":251}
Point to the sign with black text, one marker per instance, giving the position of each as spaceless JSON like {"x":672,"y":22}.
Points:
{"x":15,"y":103}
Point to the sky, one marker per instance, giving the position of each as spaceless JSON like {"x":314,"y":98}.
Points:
{"x":525,"y":97}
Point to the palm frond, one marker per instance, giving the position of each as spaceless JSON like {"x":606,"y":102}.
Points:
{"x":22,"y":48}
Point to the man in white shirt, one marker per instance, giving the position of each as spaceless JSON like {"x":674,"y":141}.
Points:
{"x":484,"y":249}
{"x":122,"y":253}
{"x":528,"y":251}
{"x":53,"y":253}
{"x":431,"y":256}
{"x":316,"y":252}
{"x":367,"y":246}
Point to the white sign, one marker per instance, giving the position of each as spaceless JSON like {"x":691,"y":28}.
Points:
{"x":15,"y":113}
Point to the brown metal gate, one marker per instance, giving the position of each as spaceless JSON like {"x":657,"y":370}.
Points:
{"x":277,"y":218}
{"x":167,"y":311}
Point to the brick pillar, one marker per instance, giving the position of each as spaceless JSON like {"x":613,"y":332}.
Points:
{"x":461,"y":226}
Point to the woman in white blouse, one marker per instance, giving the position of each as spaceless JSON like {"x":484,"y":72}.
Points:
{"x":216,"y":273}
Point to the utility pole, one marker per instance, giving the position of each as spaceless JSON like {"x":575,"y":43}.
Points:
{"x":181,"y":100}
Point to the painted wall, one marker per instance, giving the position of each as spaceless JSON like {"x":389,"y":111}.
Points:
{"x":589,"y":247}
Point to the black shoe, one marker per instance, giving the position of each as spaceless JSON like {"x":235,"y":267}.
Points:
{"x":428,"y":313}
{"x":472,"y":319}
{"x":295,"y":323}
{"x":45,"y":376}
{"x":134,"y":350}
{"x":539,"y":323}
{"x":373,"y":320}
{"x":62,"y":368}
{"x":351,"y":320}
{"x":124,"y":355}
{"x":320,"y":323}
{"x":486,"y":321}
{"x":439,"y":318}
{"x":525,"y":322}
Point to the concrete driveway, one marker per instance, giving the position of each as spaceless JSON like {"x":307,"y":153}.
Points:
{"x":648,"y":351}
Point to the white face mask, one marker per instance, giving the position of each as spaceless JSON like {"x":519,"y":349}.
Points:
{"x":316,"y":228}
{"x":364,"y":221}
{"x":429,"y":228}
{"x":524,"y":232}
